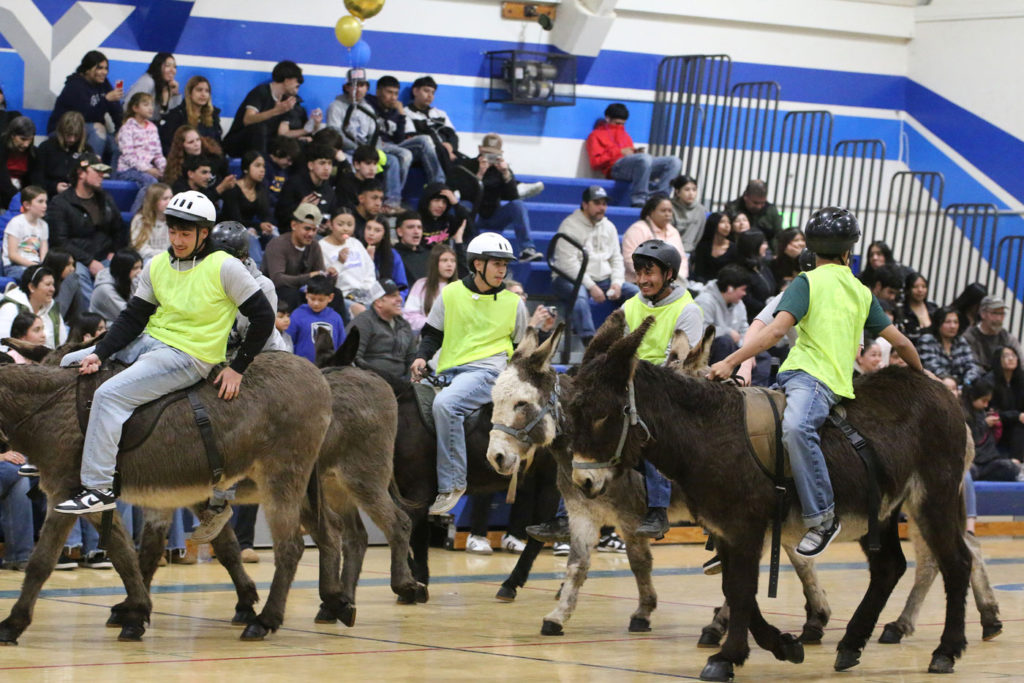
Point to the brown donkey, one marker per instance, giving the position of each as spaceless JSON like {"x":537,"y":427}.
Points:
{"x":690,"y":429}
{"x":271,"y":433}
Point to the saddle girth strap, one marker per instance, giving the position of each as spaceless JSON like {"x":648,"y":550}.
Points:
{"x":107,"y":517}
{"x":779,"y":480}
{"x":867,"y":455}
{"x":206,"y":432}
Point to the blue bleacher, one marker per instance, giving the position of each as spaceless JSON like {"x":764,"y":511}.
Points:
{"x":1000,"y":497}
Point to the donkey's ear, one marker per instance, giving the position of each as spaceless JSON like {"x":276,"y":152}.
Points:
{"x":623,"y":351}
{"x":34,"y":352}
{"x":345,"y":355}
{"x":541,"y":357}
{"x":528,"y":345}
{"x":698,"y":358}
{"x":610,"y":332}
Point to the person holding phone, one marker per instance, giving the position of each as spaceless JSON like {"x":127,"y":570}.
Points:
{"x":89,"y":92}
{"x":268,"y":110}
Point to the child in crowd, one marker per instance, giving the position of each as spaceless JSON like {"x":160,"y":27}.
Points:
{"x":313,"y":315}
{"x":149,"y":226}
{"x":989,"y":463}
{"x":348,"y":256}
{"x":26,"y":327}
{"x":88,"y":326}
{"x":26,"y":238}
{"x":440,"y":271}
{"x":142,"y":159}
{"x":282,"y":322}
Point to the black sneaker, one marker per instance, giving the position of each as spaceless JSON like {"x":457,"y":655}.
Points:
{"x":530,"y":254}
{"x":713,"y":566}
{"x":28,"y":470}
{"x":612,"y":543}
{"x":818,"y":538}
{"x":88,"y":500}
{"x":555,"y":530}
{"x":655,"y":524}
{"x":97,"y":559}
{"x":65,"y":563}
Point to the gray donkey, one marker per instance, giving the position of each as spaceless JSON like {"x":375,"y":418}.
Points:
{"x":271,"y":433}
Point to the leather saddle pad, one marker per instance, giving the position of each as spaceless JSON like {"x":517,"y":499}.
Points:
{"x":760,"y":426}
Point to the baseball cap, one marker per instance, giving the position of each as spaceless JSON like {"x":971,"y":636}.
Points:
{"x":593,"y":193}
{"x":90,"y":160}
{"x":357,"y":75}
{"x":307,"y":213}
{"x":992,"y":303}
{"x":380,"y":288}
{"x":491,"y":144}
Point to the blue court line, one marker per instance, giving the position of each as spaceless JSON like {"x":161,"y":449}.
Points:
{"x":454,"y":579}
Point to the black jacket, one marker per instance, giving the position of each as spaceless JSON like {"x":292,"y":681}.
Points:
{"x":71,"y":229}
{"x":178,"y":117}
{"x":496,"y":188}
{"x":298,"y":185}
{"x":55,"y":163}
{"x":82,"y":96}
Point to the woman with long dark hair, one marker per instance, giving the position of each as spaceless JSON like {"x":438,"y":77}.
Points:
{"x":751,"y":247}
{"x":879,"y":254}
{"x":89,"y":92}
{"x":714,"y":250}
{"x":442,"y":269}
{"x":944,"y":351}
{"x":785,"y":265}
{"x":1008,"y":398}
{"x":687,"y":212}
{"x":967,"y":303}
{"x":917,"y":310}
{"x":248,"y":202}
{"x":19,"y":163}
{"x":65,"y":283}
{"x":159,"y":82}
{"x":114,"y":284}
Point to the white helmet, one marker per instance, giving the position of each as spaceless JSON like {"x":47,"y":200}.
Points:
{"x":490,"y":245}
{"x":193,"y":207}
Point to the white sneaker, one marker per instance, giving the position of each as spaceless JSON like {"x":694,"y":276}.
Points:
{"x":478,"y":545}
{"x":561,"y":548}
{"x":445,"y":502}
{"x":527,"y":190}
{"x":512,"y":544}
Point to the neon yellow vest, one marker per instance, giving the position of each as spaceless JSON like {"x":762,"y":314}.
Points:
{"x":830,"y":332}
{"x":476,"y":326}
{"x":195,"y":314}
{"x":654,"y":347}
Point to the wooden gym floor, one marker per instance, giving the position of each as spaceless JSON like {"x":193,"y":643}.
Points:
{"x":463,"y":633}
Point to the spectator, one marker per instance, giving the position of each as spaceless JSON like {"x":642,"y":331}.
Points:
{"x":754,"y":204}
{"x":785,"y":266}
{"x":196,"y":110}
{"x":281,"y":324}
{"x":34,"y":294}
{"x":114,"y":285}
{"x":869,"y":359}
{"x":348,"y":259}
{"x":410,"y":246}
{"x":441,"y":270}
{"x":268,"y":110}
{"x":87,"y":327}
{"x":89,"y":92}
{"x":65,"y":283}
{"x":197,"y":175}
{"x":312,"y":187}
{"x":19,"y":162}
{"x":989,"y":463}
{"x":59,"y":152}
{"x":751,"y":248}
{"x":386,"y":260}
{"x":612,"y":152}
{"x":879,"y":254}
{"x":348,"y":181}
{"x":248,"y":201}
{"x":351,"y":115}
{"x":444,"y":219}
{"x":369,"y":200}
{"x":314,"y":315}
{"x":26,"y":237}
{"x":989,"y":334}
{"x":714,"y":250}
{"x":149,"y":226}
{"x":944,"y":351}
{"x":720,"y":300}
{"x":655,"y":224}
{"x":85,"y":221}
{"x":605,"y":276}
{"x":423,"y":118}
{"x":1008,"y":398}
{"x":885,"y":282}
{"x":500,"y":185}
{"x":387,"y":343}
{"x":141,"y":161}
{"x":15,"y":512}
{"x":395,"y":138}
{"x":284,"y":152}
{"x":188,"y":143}
{"x":967,"y":305}
{"x":740,"y":224}
{"x":917,"y":310}
{"x":291,"y":259}
{"x":159,"y":83}
{"x":29,"y":328}
{"x":688,"y":214}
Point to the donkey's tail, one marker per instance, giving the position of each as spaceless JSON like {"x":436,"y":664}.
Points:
{"x":401,"y":500}
{"x":313,"y":494}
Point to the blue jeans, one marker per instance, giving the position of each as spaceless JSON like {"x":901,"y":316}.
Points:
{"x":582,"y":319}
{"x":659,"y":488}
{"x":509,"y":215}
{"x":104,"y":144}
{"x":157,"y":369}
{"x":85,"y":284}
{"x":970,"y":498}
{"x":640,"y":169}
{"x":14,"y":271}
{"x":470,"y":389}
{"x":808,"y":402}
{"x":417,"y":148}
{"x":84,"y":535}
{"x":15,"y":513}
{"x":393,"y":181}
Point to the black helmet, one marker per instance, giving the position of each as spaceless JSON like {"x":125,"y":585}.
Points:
{"x":806,"y":260}
{"x":832,"y":231}
{"x":662,"y":253}
{"x":232,"y":237}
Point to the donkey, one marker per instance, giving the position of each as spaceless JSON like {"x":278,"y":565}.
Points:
{"x":520,"y":396}
{"x":271,"y":433}
{"x":690,"y":431}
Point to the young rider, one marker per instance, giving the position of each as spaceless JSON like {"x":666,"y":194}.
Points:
{"x":475,"y":323}
{"x":183,"y":308}
{"x":830,"y":309}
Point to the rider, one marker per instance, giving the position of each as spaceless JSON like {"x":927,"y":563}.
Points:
{"x":474,"y":322}
{"x":174,"y":331}
{"x":830,"y":309}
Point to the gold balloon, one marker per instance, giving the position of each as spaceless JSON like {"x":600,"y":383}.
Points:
{"x":364,"y":9}
{"x":348,"y":30}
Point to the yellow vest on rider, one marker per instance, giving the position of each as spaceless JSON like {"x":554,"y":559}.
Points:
{"x":195,"y":314}
{"x":654,"y":347}
{"x":830,"y":332}
{"x":476,"y":326}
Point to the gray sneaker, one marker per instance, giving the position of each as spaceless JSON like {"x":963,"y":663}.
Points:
{"x":211,"y":520}
{"x":818,"y":538}
{"x":445,"y":502}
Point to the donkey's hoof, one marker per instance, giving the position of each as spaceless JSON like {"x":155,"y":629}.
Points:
{"x":115,"y":620}
{"x":325,"y":616}
{"x":847,"y":659}
{"x":131,"y":633}
{"x":709,"y":637}
{"x":717,"y":671}
{"x":550,"y":628}
{"x":406,"y":596}
{"x":8,"y":634}
{"x":941,"y":664}
{"x":422,"y":593}
{"x":506,"y":593}
{"x":792,"y":649}
{"x":255,"y":631}
{"x":812,"y":635}
{"x":348,"y":615}
{"x":243,"y":615}
{"x":990,"y":631}
{"x":639,"y":625}
{"x":891,"y":634}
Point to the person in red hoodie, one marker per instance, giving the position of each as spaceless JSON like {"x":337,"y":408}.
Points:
{"x":613,"y":153}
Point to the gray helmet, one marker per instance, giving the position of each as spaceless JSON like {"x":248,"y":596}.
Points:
{"x":662,"y":253}
{"x":832,"y":231}
{"x":232,"y":237}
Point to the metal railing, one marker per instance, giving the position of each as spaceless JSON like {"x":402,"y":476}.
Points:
{"x":856,"y":181}
{"x":576,"y":280}
{"x":802,"y":165}
{"x":745,"y":144}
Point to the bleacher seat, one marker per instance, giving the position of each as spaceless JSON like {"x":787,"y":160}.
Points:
{"x":123,"y":192}
{"x":1000,"y":498}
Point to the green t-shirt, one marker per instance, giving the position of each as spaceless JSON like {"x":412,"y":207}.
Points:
{"x":797,"y":298}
